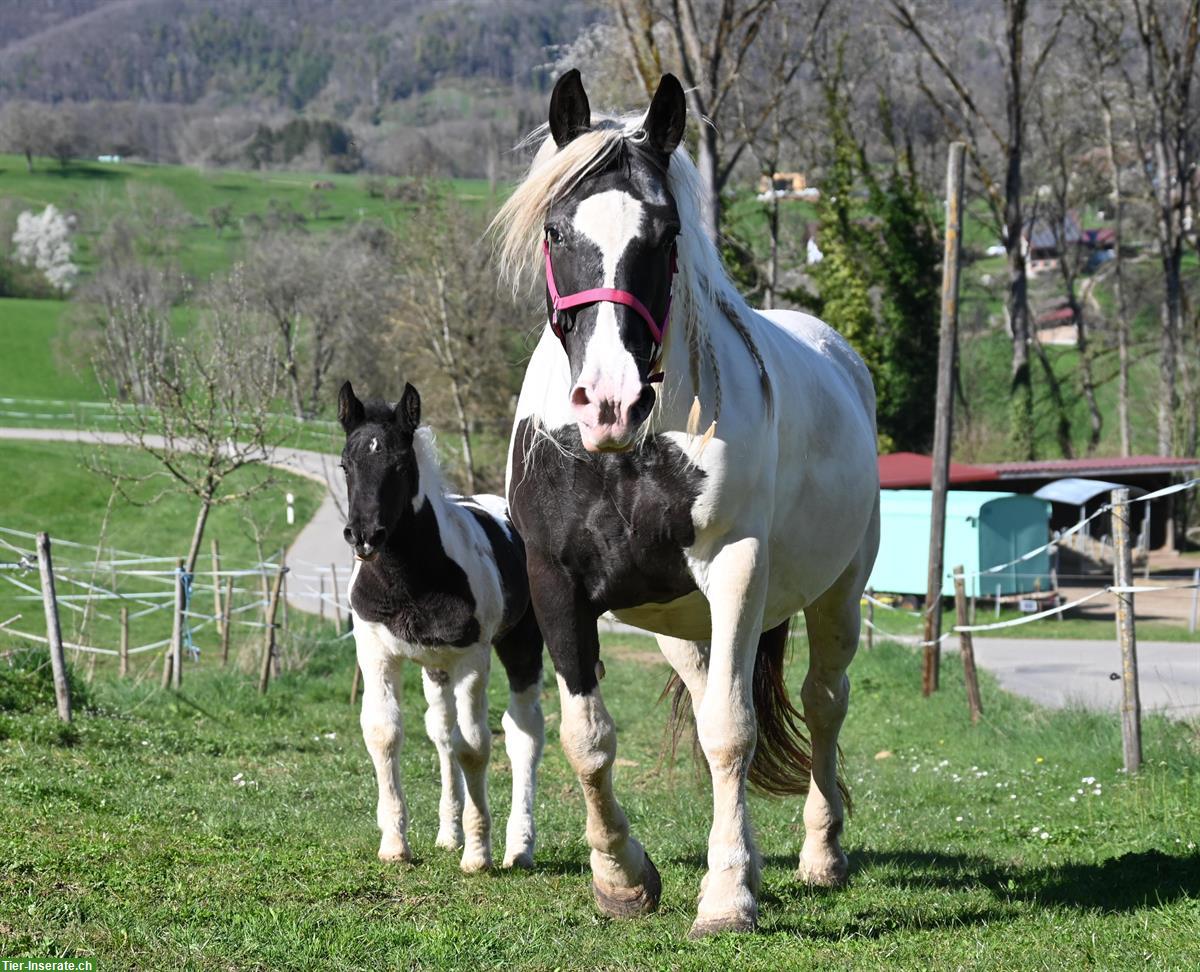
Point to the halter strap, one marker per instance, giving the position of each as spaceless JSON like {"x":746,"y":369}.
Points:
{"x":612,"y":296}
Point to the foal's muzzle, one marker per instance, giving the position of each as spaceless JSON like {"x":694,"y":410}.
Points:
{"x":366,"y":542}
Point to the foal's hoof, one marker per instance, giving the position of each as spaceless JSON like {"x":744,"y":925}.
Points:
{"x":395,"y":852}
{"x":827,"y":872}
{"x":630,"y":902}
{"x":449,"y":840}
{"x":734,"y":922}
{"x":475,"y":863}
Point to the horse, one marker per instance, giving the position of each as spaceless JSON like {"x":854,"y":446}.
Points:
{"x":698,"y":469}
{"x":439,"y":580}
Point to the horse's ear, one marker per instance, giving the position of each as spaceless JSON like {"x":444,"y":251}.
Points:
{"x":408,"y":409}
{"x":570,"y":113}
{"x":667,"y":116}
{"x":350,"y":410}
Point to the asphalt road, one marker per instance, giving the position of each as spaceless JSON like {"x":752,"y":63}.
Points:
{"x":1054,"y":672}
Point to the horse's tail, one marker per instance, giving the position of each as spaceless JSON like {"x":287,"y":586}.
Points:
{"x":782,"y":763}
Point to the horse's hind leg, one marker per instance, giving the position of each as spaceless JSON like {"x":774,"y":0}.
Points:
{"x":473,"y":746}
{"x":441,"y":724}
{"x":520,"y":652}
{"x":833,"y":627}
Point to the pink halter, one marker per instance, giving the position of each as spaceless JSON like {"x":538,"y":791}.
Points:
{"x":609,"y":295}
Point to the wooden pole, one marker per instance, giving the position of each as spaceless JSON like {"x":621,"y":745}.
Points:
{"x":225,"y":625}
{"x":264,"y":675}
{"x":1195,"y":600}
{"x":355,"y":683}
{"x":966,"y":646}
{"x":216,"y":576}
{"x":177,"y":630}
{"x":870,"y":619}
{"x":58,"y":665}
{"x":944,"y":417}
{"x":283,"y":563}
{"x":1131,"y":704}
{"x":321,"y":596}
{"x":337,"y":604}
{"x":123,"y":668}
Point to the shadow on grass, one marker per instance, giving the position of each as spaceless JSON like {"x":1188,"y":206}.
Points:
{"x":1119,"y":884}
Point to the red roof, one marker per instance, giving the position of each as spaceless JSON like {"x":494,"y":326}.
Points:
{"x":1095,"y":466}
{"x":908,"y":470}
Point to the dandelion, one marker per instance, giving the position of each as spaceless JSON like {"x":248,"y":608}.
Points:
{"x":1040,"y":759}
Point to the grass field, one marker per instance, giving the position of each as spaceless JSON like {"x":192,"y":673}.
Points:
{"x":48,"y":486}
{"x":219,"y":829}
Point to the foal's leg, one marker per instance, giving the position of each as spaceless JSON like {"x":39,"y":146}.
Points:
{"x":833,"y":628}
{"x":727,"y":729}
{"x":441,"y":725}
{"x":382,"y":721}
{"x":473,"y":746}
{"x":520,"y":652}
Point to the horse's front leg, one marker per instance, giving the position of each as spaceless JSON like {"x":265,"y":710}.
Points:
{"x":473,"y":746}
{"x":382,"y":721}
{"x":625,"y":882}
{"x":726,"y":726}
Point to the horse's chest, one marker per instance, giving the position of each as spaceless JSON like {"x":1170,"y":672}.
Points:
{"x":618,"y":523}
{"x":416,"y":613}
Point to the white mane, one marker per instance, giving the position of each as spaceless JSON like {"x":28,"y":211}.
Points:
{"x":703,"y":291}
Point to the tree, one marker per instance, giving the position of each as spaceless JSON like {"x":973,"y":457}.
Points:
{"x":43,"y":241}
{"x":990,"y":130}
{"x":24,"y":130}
{"x":203,"y":408}
{"x":711,"y":45}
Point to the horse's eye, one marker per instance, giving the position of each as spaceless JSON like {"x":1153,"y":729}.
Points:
{"x":553,"y":235}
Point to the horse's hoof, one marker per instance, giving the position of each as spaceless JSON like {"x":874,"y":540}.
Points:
{"x":734,"y":922}
{"x":475,"y":863}
{"x":449,"y":841}
{"x":630,"y":902}
{"x":395,"y":852}
{"x":522,"y":861}
{"x":829,"y":873}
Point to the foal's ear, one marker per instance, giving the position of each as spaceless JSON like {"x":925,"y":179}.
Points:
{"x":570,"y":113}
{"x":350,"y":410}
{"x":408,"y":409}
{"x":667,"y":116}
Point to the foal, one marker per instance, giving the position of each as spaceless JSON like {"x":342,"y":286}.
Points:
{"x":438,"y":579}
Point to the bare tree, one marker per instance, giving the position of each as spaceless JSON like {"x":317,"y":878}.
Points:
{"x":991,"y":130}
{"x":710,"y":45}
{"x":205,"y":409}
{"x":455,"y":321}
{"x":25,"y":130}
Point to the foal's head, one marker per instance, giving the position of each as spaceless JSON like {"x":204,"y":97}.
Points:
{"x":614,"y":229}
{"x":380,"y":466}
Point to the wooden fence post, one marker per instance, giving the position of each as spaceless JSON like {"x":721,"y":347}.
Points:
{"x":355,"y":683}
{"x":264,"y":675}
{"x":966,"y":646}
{"x":943,"y":418}
{"x":58,"y":666}
{"x":1131,"y":704}
{"x":177,"y":630}
{"x":1195,"y":600}
{"x":337,"y":604}
{"x":225,"y":623}
{"x":123,"y":666}
{"x":321,"y":597}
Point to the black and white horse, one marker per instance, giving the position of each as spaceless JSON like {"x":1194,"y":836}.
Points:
{"x":439,"y":580}
{"x":700,"y":469}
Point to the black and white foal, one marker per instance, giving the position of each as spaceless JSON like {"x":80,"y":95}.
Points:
{"x":438,"y":579}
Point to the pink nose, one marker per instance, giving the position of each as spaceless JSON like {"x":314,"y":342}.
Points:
{"x":605,"y":420}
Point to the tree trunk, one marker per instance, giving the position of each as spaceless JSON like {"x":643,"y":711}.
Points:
{"x":198,"y":534}
{"x":1168,"y":396}
{"x":464,"y":432}
{"x":1062,"y":421}
{"x":29,"y":160}
{"x":773,"y":266}
{"x":1119,"y":285}
{"x":707,"y":160}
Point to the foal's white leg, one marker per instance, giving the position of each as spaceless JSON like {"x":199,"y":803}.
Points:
{"x":624,"y":880}
{"x":473,"y":745}
{"x":524,"y":735}
{"x":382,"y":721}
{"x":441,"y":725}
{"x":727,"y":729}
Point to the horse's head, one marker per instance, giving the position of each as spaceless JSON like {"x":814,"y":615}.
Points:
{"x":610,"y":245}
{"x":380,"y":466}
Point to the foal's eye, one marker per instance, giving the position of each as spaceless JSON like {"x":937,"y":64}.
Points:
{"x":554,"y":235}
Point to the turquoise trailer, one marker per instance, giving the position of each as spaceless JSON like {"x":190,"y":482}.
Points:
{"x":983,"y":530}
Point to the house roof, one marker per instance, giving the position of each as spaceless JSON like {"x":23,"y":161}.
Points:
{"x":1077,"y":492}
{"x":1092,"y":467}
{"x":903,"y":470}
